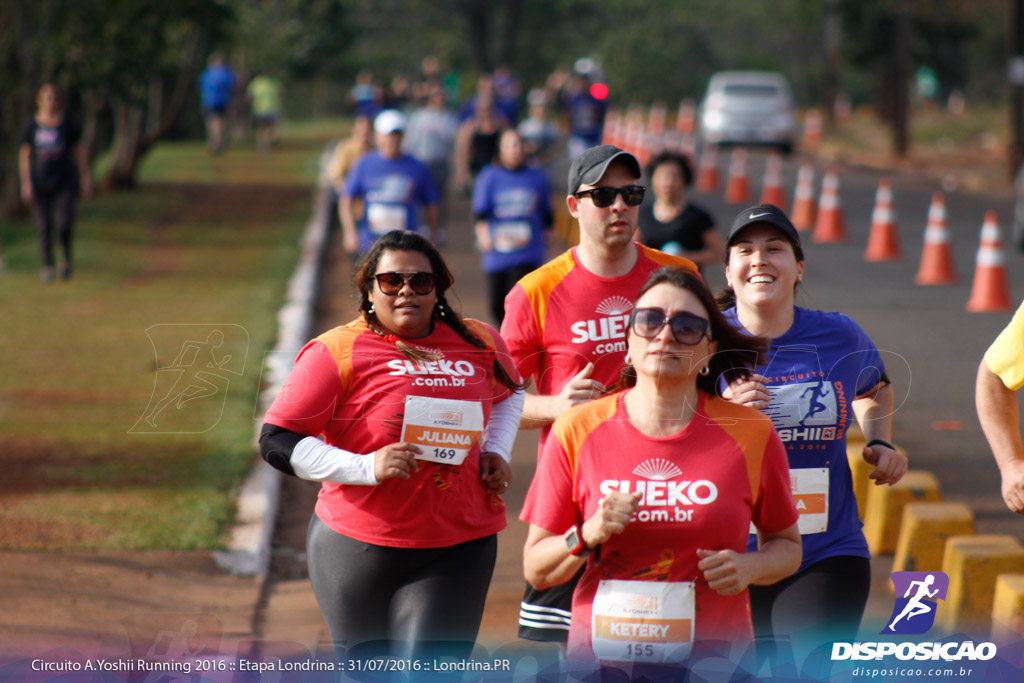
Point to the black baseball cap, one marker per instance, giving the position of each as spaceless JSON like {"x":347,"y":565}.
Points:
{"x":587,"y":168}
{"x":765,"y":213}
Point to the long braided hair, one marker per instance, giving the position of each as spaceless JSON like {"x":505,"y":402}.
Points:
{"x":406,"y":240}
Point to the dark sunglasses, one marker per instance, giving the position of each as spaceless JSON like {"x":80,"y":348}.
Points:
{"x":686,"y":327}
{"x":604,"y":197}
{"x":391,"y":283}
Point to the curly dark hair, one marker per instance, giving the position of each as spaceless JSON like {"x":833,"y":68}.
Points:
{"x":738,"y":353}
{"x":676,"y":158}
{"x":406,"y":240}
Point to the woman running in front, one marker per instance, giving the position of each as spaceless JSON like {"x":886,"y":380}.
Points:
{"x":820,"y":370}
{"x":654,"y":489}
{"x":419,"y":409}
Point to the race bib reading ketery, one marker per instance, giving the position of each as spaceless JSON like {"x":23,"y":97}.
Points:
{"x":446,"y":429}
{"x":643,"y":621}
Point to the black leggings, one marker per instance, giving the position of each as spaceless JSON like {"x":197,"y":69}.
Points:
{"x":427,"y":600}
{"x":55,"y":212}
{"x":501,"y":283}
{"x":822,"y":603}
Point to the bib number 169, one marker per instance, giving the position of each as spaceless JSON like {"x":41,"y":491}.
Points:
{"x":444,"y":453}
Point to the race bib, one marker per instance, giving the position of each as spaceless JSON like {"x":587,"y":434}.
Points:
{"x":510,"y":237}
{"x":643,"y":621}
{"x":384,"y":218}
{"x":446,"y":429}
{"x":810,"y":493}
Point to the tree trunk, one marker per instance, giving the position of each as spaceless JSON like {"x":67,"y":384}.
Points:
{"x":131,"y":142}
{"x":478,"y":21}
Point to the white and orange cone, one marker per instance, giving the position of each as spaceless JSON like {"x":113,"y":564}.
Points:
{"x":686,"y":117}
{"x":829,"y":226}
{"x":688,"y":146}
{"x":990,"y":292}
{"x":937,"y":257}
{"x":812,"y":127}
{"x":737,"y":189}
{"x":884,"y":239}
{"x":771,"y":188}
{"x":804,"y":205}
{"x":707,"y":172}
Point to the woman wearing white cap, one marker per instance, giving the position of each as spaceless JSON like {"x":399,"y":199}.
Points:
{"x":821,"y":370}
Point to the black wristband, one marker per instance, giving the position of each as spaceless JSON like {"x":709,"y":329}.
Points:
{"x":879,"y":442}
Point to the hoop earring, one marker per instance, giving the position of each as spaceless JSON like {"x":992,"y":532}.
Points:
{"x":705,"y":370}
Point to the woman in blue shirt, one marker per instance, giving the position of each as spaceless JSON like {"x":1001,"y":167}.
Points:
{"x":821,"y":371}
{"x":512,"y":210}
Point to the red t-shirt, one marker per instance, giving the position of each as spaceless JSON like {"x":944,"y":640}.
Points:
{"x":350,"y":385}
{"x":561,"y":317}
{"x":702,"y":487}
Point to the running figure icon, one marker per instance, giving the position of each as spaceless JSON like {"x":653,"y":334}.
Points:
{"x":817,"y":391}
{"x":192,"y":382}
{"x":915,"y":606}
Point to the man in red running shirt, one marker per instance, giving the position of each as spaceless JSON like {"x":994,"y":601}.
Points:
{"x":565,"y":323}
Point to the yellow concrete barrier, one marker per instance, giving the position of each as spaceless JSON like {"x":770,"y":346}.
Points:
{"x":859,"y":471}
{"x":923,"y":534}
{"x":885,"y":507}
{"x":972,"y":564}
{"x":1008,"y":609}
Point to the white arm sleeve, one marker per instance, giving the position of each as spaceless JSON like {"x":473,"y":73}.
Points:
{"x":503,"y":426}
{"x":314,"y":460}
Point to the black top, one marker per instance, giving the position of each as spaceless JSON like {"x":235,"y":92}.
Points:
{"x":51,"y":163}
{"x":687,"y":229}
{"x":483,"y":147}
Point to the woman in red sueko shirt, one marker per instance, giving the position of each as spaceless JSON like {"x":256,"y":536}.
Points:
{"x":418,"y":409}
{"x":654,"y":489}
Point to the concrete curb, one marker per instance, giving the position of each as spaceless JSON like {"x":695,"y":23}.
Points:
{"x":248,"y":552}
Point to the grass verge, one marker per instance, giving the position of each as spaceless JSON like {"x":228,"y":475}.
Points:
{"x":128,"y":394}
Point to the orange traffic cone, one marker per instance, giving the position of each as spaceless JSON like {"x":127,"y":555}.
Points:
{"x":737,"y":189}
{"x":803,"y":202}
{"x":829,"y":226}
{"x":771,"y":188}
{"x":686,"y":117}
{"x":707,"y":175}
{"x":991,"y":291}
{"x":884,"y":240}
{"x":937,"y":258}
{"x":812,"y":127}
{"x":688,"y":146}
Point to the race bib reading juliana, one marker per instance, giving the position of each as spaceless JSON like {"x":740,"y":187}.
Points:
{"x":446,"y":429}
{"x":384,"y":218}
{"x":643,"y":621}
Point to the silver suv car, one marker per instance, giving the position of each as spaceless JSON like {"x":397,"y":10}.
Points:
{"x":749,"y":108}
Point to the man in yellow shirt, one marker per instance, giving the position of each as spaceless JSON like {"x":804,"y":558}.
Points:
{"x":1000,"y":375}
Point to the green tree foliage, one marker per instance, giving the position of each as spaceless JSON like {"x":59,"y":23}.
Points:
{"x":131,"y":64}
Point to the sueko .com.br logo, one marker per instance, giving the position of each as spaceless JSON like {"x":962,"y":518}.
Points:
{"x":917,"y":599}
